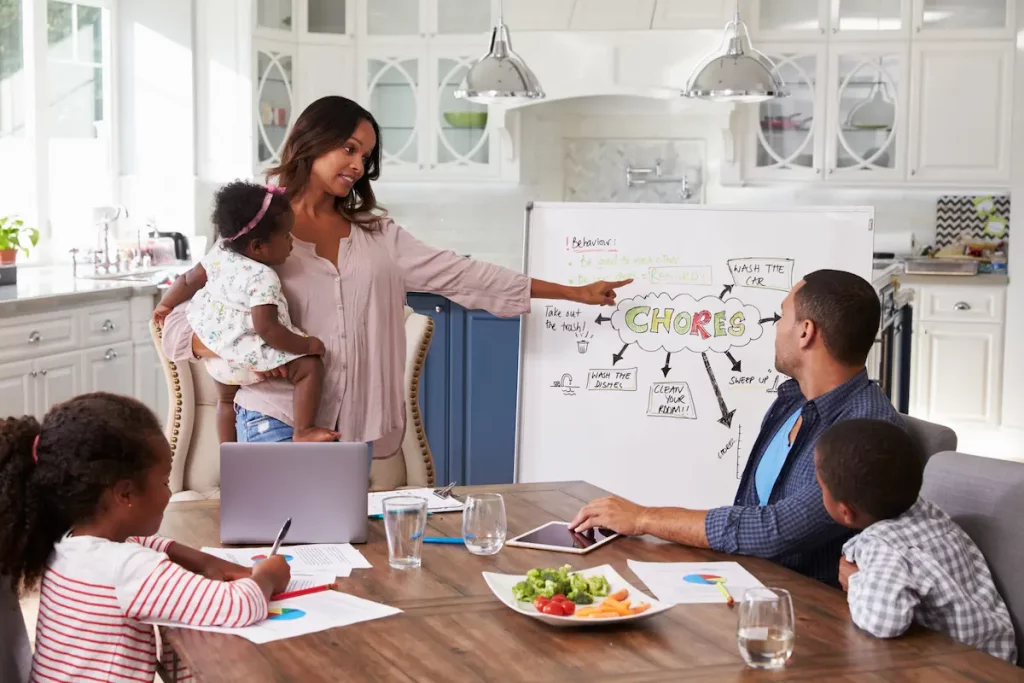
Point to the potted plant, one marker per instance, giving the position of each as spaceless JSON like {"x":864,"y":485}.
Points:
{"x":12,"y":232}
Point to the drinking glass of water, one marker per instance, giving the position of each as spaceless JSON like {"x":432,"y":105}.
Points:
{"x":405,"y":520}
{"x":483,"y":523}
{"x":766,"y":629}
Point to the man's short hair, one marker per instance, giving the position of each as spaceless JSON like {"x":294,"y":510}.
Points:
{"x":872,"y":465}
{"x":845,"y":309}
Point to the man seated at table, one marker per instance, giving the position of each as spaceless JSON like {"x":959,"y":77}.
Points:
{"x":828,"y":326}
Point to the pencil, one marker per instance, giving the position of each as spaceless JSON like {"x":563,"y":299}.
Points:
{"x":725,"y":591}
{"x":304,"y":591}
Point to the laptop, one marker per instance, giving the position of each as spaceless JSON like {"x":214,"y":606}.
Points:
{"x":322,"y":486}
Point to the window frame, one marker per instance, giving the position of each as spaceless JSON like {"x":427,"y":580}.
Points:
{"x":35,"y":46}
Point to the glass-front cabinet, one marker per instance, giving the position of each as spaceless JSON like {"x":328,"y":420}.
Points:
{"x":867,"y":113}
{"x":964,"y":18}
{"x":274,"y":102}
{"x":787,"y":136}
{"x":423,"y":126}
{"x":846,"y":19}
{"x":396,"y":18}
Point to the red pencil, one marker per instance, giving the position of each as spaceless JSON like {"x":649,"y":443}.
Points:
{"x":304,"y":591}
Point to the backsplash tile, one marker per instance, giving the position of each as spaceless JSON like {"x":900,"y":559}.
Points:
{"x":595,"y":170}
{"x":983,"y":218}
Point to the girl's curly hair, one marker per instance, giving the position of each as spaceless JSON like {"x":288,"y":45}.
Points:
{"x":84,"y":447}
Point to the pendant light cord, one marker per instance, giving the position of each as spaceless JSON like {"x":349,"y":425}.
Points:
{"x":501,"y":12}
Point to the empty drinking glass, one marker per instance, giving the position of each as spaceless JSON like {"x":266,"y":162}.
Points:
{"x":405,"y":520}
{"x":483,"y":523}
{"x":766,"y":629}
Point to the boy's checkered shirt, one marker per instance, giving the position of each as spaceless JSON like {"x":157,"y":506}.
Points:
{"x":921,"y":567}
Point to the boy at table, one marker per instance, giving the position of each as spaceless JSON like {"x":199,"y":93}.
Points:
{"x":910,"y":562}
{"x":828,"y":326}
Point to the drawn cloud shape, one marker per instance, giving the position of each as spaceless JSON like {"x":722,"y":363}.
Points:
{"x":660,"y":322}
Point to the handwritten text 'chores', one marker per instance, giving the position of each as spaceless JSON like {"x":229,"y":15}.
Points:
{"x":657,"y":322}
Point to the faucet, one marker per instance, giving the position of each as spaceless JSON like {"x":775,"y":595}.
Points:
{"x":107,"y":215}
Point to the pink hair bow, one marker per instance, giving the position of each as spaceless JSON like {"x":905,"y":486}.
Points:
{"x":272,"y":190}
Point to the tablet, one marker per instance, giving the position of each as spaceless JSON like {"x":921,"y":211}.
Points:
{"x":559,"y":537}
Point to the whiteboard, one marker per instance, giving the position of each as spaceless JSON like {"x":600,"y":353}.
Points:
{"x":660,"y":398}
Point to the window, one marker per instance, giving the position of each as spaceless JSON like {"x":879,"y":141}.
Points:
{"x":56,"y":105}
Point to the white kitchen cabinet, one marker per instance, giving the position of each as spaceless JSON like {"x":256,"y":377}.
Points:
{"x":957,"y":359}
{"x":31,"y":336}
{"x":960,"y":372}
{"x":867,"y":138}
{"x":871,"y":20}
{"x":326,"y":20}
{"x":324,"y":69}
{"x":17,"y":389}
{"x":964,"y":19}
{"x":961,"y":109}
{"x":150,"y":382}
{"x":56,"y":379}
{"x":275,"y":18}
{"x":425,"y":130}
{"x":273,"y":81}
{"x":787,"y":139}
{"x":384,"y":19}
{"x":110,"y":369}
{"x":612,"y":15}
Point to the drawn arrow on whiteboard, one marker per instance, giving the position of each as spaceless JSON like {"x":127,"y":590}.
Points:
{"x":602,"y":319}
{"x":774,"y":319}
{"x":665,"y":370}
{"x":736,"y":364}
{"x":726,"y":413}
{"x":616,"y":357}
{"x":728,"y":288}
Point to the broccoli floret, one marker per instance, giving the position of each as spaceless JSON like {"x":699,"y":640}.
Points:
{"x":524,"y":591}
{"x":580,"y":597}
{"x":597,"y":586}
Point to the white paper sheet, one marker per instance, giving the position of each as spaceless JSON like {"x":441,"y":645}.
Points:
{"x":694,"y":582}
{"x":301,"y":581}
{"x":306,"y":614}
{"x":340,"y":558}
{"x":434,"y":503}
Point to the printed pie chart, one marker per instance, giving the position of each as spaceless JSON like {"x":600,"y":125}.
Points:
{"x":284,"y":614}
{"x":260,"y":558}
{"x":703,"y":579}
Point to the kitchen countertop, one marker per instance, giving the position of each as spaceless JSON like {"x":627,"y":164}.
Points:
{"x":983,"y":279}
{"x":42,"y":288}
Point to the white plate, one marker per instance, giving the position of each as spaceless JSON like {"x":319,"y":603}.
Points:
{"x":501,"y":586}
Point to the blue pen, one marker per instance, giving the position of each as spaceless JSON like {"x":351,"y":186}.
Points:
{"x":444,"y":540}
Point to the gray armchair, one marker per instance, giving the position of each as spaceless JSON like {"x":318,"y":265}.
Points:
{"x":985,"y":497}
{"x":933,"y":438}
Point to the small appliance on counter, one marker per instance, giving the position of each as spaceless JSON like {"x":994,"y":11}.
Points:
{"x":180,"y":248}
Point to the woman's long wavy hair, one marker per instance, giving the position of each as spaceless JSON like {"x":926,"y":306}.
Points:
{"x":323,"y":127}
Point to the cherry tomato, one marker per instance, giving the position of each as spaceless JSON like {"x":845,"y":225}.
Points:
{"x":557,"y":597}
{"x":554,"y":609}
{"x":568,"y":608}
{"x":540,"y":602}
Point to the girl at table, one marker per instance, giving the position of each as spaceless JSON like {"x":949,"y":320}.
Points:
{"x":346,"y":282}
{"x":81,"y":496}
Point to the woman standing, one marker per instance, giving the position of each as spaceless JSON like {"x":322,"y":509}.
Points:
{"x":346,"y":283}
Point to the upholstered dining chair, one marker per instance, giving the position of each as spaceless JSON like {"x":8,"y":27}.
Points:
{"x":192,"y":430}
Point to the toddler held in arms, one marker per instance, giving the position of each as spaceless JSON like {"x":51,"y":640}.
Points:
{"x":81,"y":496}
{"x":238,"y":311}
{"x":911,"y":562}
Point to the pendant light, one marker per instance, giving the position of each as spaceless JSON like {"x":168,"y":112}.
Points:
{"x":736,"y":72}
{"x":500,"y":76}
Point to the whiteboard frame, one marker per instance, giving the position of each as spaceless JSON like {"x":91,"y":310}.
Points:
{"x":530,"y":206}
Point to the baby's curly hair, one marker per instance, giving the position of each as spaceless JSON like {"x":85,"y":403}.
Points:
{"x":236,"y":204}
{"x":84,"y":447}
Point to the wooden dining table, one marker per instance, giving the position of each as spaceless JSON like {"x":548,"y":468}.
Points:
{"x":454,"y":629}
